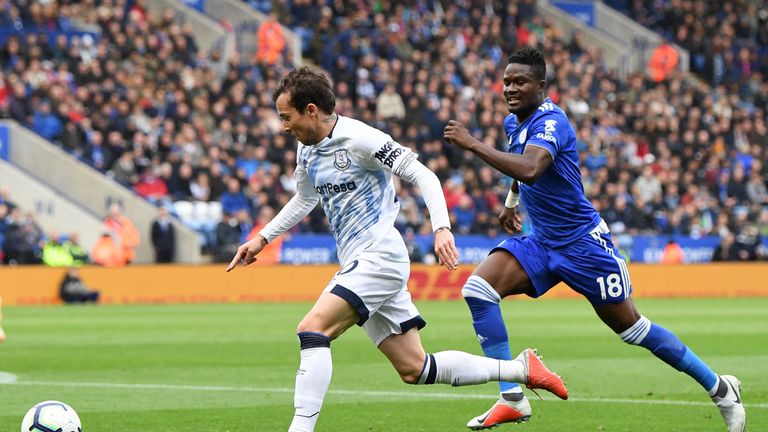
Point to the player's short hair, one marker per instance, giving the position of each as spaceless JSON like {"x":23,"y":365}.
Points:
{"x":532,"y":57}
{"x":305,"y":85}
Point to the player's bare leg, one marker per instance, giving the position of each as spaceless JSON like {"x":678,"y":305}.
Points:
{"x":633,"y":328}
{"x":458,"y":368}
{"x":327,"y":320}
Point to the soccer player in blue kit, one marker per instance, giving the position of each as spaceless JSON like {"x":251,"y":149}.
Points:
{"x":569,"y":243}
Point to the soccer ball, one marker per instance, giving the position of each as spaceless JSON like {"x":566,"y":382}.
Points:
{"x":51,"y":416}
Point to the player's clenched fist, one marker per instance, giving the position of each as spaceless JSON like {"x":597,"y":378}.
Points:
{"x":455,"y":133}
{"x":510,"y":220}
{"x":246,"y":253}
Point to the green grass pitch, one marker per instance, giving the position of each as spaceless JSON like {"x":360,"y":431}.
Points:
{"x":230,"y":367}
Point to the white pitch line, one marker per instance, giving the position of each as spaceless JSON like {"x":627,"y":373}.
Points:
{"x":430,"y":395}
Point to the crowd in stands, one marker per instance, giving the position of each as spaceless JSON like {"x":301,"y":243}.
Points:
{"x":146,"y":105}
{"x":24,"y":241}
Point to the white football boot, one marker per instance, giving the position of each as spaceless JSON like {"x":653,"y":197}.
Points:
{"x":510,"y":408}
{"x":728,"y":401}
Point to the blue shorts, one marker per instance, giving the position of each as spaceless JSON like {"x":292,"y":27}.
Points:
{"x":591,"y":266}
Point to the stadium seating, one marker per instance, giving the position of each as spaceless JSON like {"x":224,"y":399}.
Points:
{"x":444,"y":63}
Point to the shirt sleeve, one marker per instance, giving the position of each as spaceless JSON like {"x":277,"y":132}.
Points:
{"x":380,"y":152}
{"x":431,"y":191}
{"x":294,"y":210}
{"x":549,"y":132}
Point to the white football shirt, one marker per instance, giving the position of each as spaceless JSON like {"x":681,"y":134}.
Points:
{"x":351,"y":171}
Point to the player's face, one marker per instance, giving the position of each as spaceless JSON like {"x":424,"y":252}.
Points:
{"x":303,"y":126}
{"x":522,"y":90}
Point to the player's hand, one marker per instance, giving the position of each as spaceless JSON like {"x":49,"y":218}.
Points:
{"x":510,"y":220}
{"x":246,"y":253}
{"x":457,"y":134}
{"x":445,"y":249}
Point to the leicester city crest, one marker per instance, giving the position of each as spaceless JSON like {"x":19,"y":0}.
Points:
{"x":523,"y":136}
{"x":341,"y":160}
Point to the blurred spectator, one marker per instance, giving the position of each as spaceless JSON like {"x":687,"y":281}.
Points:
{"x":125,"y":231}
{"x":163,"y":237}
{"x":23,"y":240}
{"x":107,"y":252}
{"x":663,"y":61}
{"x":389,"y":104}
{"x":748,"y":246}
{"x":5,"y":194}
{"x":55,"y":252}
{"x":227,"y":238}
{"x":415,"y":252}
{"x":672,"y":253}
{"x":725,"y":251}
{"x":152,"y":187}
{"x":45,"y":123}
{"x":233,"y":200}
{"x":79,"y":255}
{"x":271,"y":252}
{"x":72,"y":290}
{"x":271,"y":40}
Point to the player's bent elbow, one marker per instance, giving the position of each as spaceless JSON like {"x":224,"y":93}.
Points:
{"x":529,"y":177}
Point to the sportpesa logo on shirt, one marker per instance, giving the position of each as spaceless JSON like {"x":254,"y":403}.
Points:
{"x":330,"y":188}
{"x":386,"y":155}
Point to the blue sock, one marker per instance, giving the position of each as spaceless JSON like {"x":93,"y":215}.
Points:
{"x":666,"y":346}
{"x":483,"y":302}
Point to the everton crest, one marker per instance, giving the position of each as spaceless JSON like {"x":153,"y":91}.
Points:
{"x":341,"y":160}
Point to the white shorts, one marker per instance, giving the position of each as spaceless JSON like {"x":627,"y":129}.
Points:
{"x":377,"y":290}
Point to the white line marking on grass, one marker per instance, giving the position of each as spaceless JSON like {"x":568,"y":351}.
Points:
{"x":430,"y":395}
{"x":7,"y":378}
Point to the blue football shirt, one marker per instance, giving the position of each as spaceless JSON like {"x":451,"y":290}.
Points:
{"x":558,"y":209}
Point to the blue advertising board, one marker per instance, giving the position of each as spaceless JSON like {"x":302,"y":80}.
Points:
{"x":5,"y":143}
{"x":321,"y":249}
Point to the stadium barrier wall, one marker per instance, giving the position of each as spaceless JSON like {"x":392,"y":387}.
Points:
{"x":35,"y":285}
{"x":82,"y":185}
{"x":53,"y":211}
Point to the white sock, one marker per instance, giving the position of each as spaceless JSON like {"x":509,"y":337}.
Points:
{"x":312,"y":380}
{"x":458,"y":368}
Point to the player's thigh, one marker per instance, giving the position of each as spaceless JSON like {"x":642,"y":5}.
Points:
{"x":594,"y":268}
{"x":331,"y":315}
{"x":504,"y":273}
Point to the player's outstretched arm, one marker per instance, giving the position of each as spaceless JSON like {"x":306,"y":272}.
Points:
{"x":525,"y":168}
{"x":294,"y":211}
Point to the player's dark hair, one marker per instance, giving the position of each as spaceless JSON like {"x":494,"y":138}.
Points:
{"x":305,"y":85}
{"x":532,"y":57}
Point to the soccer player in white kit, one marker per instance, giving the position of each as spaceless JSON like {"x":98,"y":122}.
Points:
{"x":348,"y":166}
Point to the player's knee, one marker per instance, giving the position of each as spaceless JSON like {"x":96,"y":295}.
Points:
{"x":410,"y":369}
{"x":411,"y":373}
{"x":310,"y":325}
{"x":479,"y":289}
